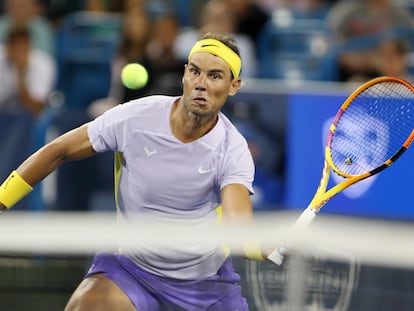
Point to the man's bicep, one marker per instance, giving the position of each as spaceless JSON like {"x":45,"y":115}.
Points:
{"x":75,"y":144}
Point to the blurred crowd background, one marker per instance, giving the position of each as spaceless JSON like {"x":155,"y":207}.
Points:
{"x":60,"y":63}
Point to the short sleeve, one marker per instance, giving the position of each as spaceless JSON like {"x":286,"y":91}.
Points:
{"x":105,"y":132}
{"x":238,"y":167}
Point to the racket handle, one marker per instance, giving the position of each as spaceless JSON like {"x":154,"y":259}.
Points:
{"x":305,"y":218}
{"x":278,"y":254}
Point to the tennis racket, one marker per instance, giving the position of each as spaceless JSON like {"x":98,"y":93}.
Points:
{"x":372,"y":129}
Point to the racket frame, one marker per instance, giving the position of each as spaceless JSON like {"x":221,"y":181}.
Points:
{"x":321,"y":196}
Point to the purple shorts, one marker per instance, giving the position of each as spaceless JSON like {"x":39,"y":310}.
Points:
{"x":150,"y":292}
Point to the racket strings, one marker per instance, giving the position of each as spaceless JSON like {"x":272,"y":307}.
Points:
{"x":373,"y":128}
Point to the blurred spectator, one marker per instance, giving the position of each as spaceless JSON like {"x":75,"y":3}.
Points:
{"x":366,"y":19}
{"x":216,"y":16}
{"x":315,"y":9}
{"x":135,"y":35}
{"x":57,"y":10}
{"x":392,"y":59}
{"x":167,"y":69}
{"x":96,"y":5}
{"x":353,"y":18}
{"x":250,"y":17}
{"x":86,"y":42}
{"x":27,"y":74}
{"x":27,"y":13}
{"x":132,"y":4}
{"x":133,"y":46}
{"x":151,"y":44}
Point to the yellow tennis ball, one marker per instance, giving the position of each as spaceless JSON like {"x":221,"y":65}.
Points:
{"x":134,"y":76}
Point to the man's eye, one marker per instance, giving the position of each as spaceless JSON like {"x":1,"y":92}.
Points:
{"x":215,"y":76}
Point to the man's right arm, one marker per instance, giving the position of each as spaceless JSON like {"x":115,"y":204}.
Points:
{"x":73,"y":145}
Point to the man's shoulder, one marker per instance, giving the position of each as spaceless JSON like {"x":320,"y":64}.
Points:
{"x":154,"y":100}
{"x":145,"y":108}
{"x":234,"y":137}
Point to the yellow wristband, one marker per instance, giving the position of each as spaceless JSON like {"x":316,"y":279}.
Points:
{"x":13,"y":189}
{"x":253,"y":251}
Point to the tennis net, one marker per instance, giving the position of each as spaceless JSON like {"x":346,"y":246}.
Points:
{"x":338,"y":263}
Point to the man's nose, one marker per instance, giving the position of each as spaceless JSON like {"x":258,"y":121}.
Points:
{"x":201,"y":82}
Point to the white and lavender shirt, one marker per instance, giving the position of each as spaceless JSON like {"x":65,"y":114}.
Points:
{"x":166,"y":180}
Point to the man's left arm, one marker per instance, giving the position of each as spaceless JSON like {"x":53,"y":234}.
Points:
{"x":237,"y":209}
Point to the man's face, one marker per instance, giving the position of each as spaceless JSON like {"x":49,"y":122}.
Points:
{"x":207,"y":83}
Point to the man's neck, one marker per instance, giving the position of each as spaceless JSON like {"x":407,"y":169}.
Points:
{"x":188,"y":127}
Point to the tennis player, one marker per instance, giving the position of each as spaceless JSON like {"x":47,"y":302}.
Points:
{"x":177,"y":158}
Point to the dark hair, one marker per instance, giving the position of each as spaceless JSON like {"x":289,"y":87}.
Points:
{"x":224,"y":38}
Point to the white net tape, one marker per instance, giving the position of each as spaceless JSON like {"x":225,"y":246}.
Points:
{"x":372,"y":241}
{"x":346,"y":265}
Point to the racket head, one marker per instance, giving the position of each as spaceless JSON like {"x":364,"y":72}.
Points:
{"x":373,"y":127}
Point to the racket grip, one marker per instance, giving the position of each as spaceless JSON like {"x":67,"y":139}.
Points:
{"x":305,"y":218}
{"x":278,"y":254}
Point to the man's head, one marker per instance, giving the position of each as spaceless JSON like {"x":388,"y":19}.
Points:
{"x":222,"y":46}
{"x":211,"y":74}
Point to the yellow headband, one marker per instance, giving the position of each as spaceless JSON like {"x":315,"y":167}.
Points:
{"x":221,"y":50}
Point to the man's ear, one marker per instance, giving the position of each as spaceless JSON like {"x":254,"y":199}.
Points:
{"x":185,"y":68}
{"x":235,"y":86}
